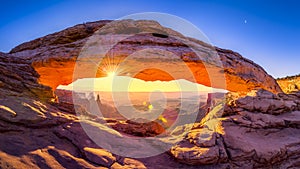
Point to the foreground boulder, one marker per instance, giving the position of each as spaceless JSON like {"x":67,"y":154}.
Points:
{"x":260,"y":134}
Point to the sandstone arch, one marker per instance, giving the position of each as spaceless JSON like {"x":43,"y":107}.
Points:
{"x":53,"y":58}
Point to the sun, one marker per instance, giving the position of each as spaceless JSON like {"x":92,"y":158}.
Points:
{"x":111,"y":74}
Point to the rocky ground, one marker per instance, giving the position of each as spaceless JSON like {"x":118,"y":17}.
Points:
{"x":260,"y":129}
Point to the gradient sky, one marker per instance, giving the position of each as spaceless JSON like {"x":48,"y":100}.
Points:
{"x":267,"y":32}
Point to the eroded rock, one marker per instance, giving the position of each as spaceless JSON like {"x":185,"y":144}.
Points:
{"x":57,"y":53}
{"x":248,"y":136}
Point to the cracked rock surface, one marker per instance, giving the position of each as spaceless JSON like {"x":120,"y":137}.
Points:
{"x":251,"y":132}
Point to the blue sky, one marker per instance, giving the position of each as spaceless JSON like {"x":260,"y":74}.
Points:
{"x":267,"y":32}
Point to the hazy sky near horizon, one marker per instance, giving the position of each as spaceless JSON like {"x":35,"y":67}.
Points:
{"x":267,"y":32}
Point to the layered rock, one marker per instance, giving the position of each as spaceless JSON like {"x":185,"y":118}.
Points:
{"x":18,"y":78}
{"x":260,"y":130}
{"x":54,"y":56}
{"x":36,"y":132}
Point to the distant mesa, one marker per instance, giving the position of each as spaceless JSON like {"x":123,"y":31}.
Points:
{"x":289,"y":84}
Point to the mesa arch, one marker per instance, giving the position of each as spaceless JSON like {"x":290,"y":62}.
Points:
{"x":54,"y":56}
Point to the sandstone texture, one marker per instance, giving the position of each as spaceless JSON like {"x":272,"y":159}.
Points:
{"x":54,"y":56}
{"x":260,"y":129}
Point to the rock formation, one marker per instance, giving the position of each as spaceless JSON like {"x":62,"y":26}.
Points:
{"x":289,"y":84}
{"x":53,"y":56}
{"x":257,"y":130}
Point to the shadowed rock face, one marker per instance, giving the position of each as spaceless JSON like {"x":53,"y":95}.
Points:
{"x":18,"y":78}
{"x":54,"y":56}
